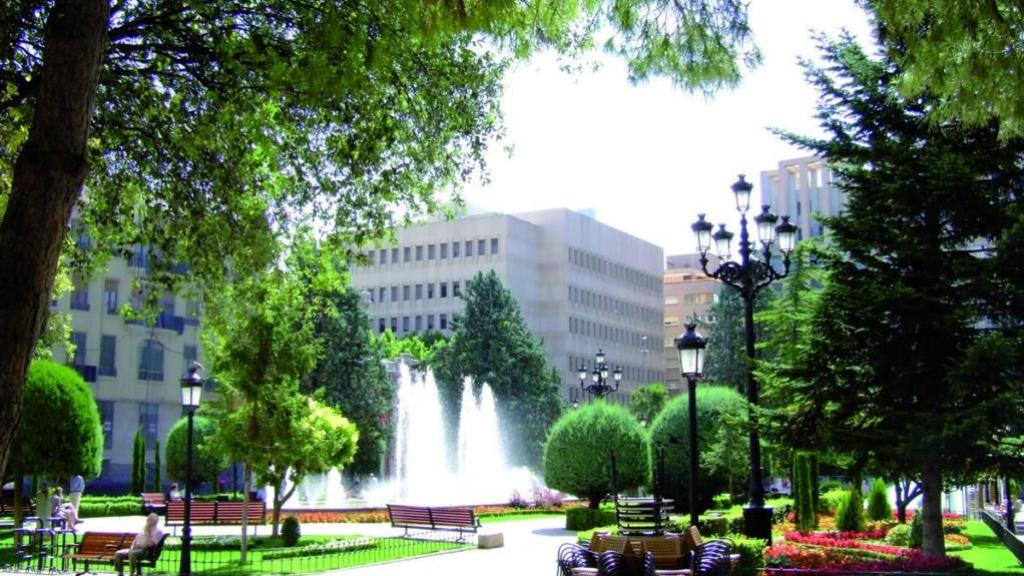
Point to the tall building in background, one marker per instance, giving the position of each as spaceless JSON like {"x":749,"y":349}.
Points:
{"x":133,"y":368}
{"x":801,"y":188}
{"x":689,"y":294}
{"x":581,"y":285}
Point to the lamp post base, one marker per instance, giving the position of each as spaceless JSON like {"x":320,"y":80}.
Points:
{"x":757,"y":523}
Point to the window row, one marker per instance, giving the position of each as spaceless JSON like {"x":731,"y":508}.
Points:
{"x":605,"y":267}
{"x":112,"y":299}
{"x":630,"y":372}
{"x":148,"y":421}
{"x":411,"y":292}
{"x":417,"y":323}
{"x":150,"y":356}
{"x":441,"y":251}
{"x":591,"y":329}
{"x":613,"y":305}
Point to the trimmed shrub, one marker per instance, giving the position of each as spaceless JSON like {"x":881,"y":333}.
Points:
{"x":290,"y":531}
{"x":722,"y":501}
{"x":751,"y":551}
{"x":898,"y":535}
{"x":828,"y":503}
{"x":207,"y":460}
{"x":577,"y":519}
{"x":878,"y":501}
{"x":830,"y":485}
{"x":805,"y":488}
{"x":139,"y":462}
{"x":670,"y":433}
{"x":577,"y":454}
{"x":916,"y":532}
{"x":850,"y":515}
{"x":103,"y":506}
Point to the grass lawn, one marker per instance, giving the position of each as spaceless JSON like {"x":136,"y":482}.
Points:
{"x":987,"y":553}
{"x":520,"y":516}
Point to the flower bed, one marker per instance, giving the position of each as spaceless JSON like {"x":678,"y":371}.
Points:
{"x":835,"y":560}
{"x":836,"y":540}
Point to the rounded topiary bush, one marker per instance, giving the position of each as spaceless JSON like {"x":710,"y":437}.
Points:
{"x":898,"y":535}
{"x":207,"y":460}
{"x":878,"y":501}
{"x":850,"y":514}
{"x":290,"y":531}
{"x":577,"y":454}
{"x":578,"y":519}
{"x":670,"y":433}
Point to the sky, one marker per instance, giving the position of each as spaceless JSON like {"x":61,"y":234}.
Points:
{"x":648,"y":158}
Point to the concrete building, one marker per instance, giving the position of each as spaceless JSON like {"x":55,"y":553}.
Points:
{"x":581,"y":285}
{"x":689,"y":294}
{"x":801,"y":188}
{"x":132,"y":368}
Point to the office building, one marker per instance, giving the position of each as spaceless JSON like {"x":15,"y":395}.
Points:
{"x":581,"y":285}
{"x":689,"y":295}
{"x":802,"y":188}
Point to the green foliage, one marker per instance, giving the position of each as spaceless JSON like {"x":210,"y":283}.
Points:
{"x":715,"y":525}
{"x":717,"y":406}
{"x":582,"y":518}
{"x":332,"y":547}
{"x":829,"y":502}
{"x":878,"y":501}
{"x":850,"y":514}
{"x":830,"y":485}
{"x":577,"y":455}
{"x":208,"y":458}
{"x":60,"y":434}
{"x":491,"y":343}
{"x":899,"y":535}
{"x":290,"y":531}
{"x":646,"y":402}
{"x":106,"y":506}
{"x":138,"y":462}
{"x":916,"y":531}
{"x":421,"y":347}
{"x":805,"y":490}
{"x":721,"y":501}
{"x":156,"y":485}
{"x":751,"y":551}
{"x":352,"y":378}
{"x":726,"y":360}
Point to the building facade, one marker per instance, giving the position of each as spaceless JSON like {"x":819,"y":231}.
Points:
{"x":802,"y":188}
{"x":581,"y":285}
{"x":689,"y":295}
{"x":132,"y":367}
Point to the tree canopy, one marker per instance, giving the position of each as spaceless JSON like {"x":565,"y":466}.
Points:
{"x":646,"y":402}
{"x":726,"y":359}
{"x":208,"y":458}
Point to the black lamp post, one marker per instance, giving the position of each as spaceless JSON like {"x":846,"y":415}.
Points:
{"x":750,"y":275}
{"x":599,"y":385}
{"x":691,"y":363}
{"x":191,"y":390}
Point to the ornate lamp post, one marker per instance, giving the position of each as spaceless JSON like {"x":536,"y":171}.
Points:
{"x":599,"y":385}
{"x":691,"y":363}
{"x":191,"y":390}
{"x":750,"y":275}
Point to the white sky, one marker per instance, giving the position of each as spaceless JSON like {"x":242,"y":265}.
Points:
{"x":648,"y":158}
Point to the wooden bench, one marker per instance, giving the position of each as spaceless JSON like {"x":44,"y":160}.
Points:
{"x":154,"y":502}
{"x":433,"y":518}
{"x":216,"y":513}
{"x":97,"y":547}
{"x":28,"y":507}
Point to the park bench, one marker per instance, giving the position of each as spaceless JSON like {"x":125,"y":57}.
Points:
{"x":28,"y":507}
{"x":154,"y":502}
{"x":433,"y":518}
{"x":216,"y":513}
{"x":97,"y":547}
{"x":150,"y":558}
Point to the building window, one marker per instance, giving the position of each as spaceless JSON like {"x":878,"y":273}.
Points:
{"x":405,"y":324}
{"x":444,"y":289}
{"x":455,"y":289}
{"x":455,"y":249}
{"x":430,"y":291}
{"x":189,"y":354}
{"x":406,"y":254}
{"x":419,"y":253}
{"x":419,"y":291}
{"x":383,"y":258}
{"x":151,"y":360}
{"x":107,"y":418}
{"x":469,"y":248}
{"x":110,"y":295}
{"x":444,"y":250}
{"x":80,"y":295}
{"x":78,"y":339}
{"x":494,"y":245}
{"x":168,"y":303}
{"x":444,"y":321}
{"x":148,"y":420}
{"x":419,"y":323}
{"x":394,"y":255}
{"x":406,"y":292}
{"x":430,"y":322}
{"x":481,"y":247}
{"x":394,"y":324}
{"x":381,"y":325}
{"x":381,"y":293}
{"x":394,"y":293}
{"x":431,"y":252}
{"x":108,"y":355}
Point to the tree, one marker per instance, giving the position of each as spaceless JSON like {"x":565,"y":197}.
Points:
{"x":670,"y":435}
{"x":61,"y":434}
{"x":726,"y":359}
{"x":207,"y":457}
{"x":909,"y":356}
{"x":805,"y":490}
{"x":491,"y":343}
{"x":138,"y":462}
{"x":957,"y":51}
{"x":156,"y":485}
{"x":352,"y":377}
{"x":578,"y":452}
{"x":646,"y":402}
{"x":421,"y":347}
{"x":878,"y":501}
{"x":204,"y":130}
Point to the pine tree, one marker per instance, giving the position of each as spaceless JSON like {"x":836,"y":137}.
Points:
{"x":726,"y":361}
{"x":139,"y":463}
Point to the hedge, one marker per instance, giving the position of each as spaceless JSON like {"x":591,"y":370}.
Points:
{"x":103,"y":506}
{"x":577,"y":519}
{"x":751,"y":551}
{"x":322,"y":549}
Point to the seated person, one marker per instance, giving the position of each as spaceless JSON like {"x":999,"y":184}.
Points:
{"x":149,"y":537}
{"x":174,"y":495}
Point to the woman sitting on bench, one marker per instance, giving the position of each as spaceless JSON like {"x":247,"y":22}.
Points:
{"x":150,"y":536}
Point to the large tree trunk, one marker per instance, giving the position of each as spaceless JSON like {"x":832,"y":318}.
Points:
{"x":933,"y":543}
{"x":48,"y":177}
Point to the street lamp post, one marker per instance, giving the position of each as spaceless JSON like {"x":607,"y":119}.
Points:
{"x":691,"y":364}
{"x":191,"y":390}
{"x":750,"y":275}
{"x":599,"y":385}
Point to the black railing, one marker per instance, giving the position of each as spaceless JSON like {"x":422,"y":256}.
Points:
{"x":1009,"y":539}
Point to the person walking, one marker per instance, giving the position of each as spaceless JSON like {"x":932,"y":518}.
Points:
{"x":75,"y":489}
{"x":150,"y":536}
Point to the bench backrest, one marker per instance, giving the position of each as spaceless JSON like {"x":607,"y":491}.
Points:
{"x":153,"y":498}
{"x":427,"y":516}
{"x":153,"y":552}
{"x":231,"y":512}
{"x":453,"y":516}
{"x":100,"y":543}
{"x":201,"y":511}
